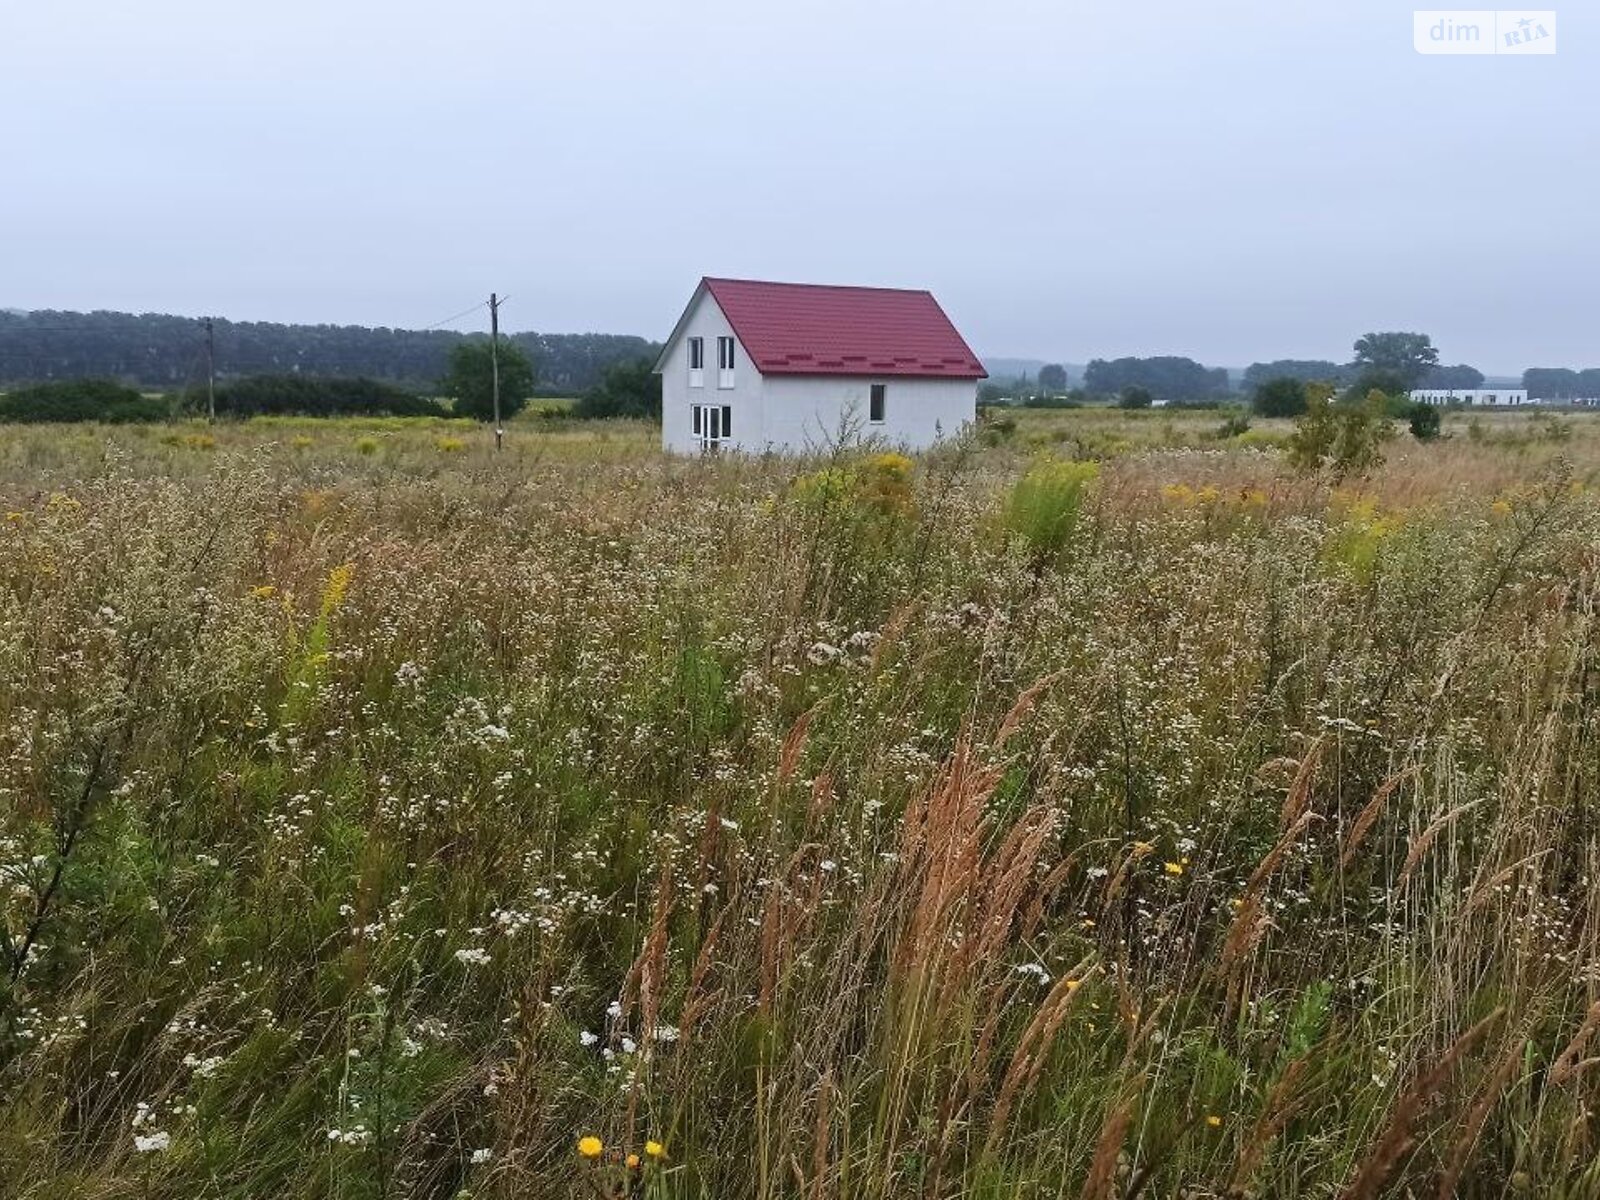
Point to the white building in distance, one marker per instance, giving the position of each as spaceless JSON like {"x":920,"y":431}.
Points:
{"x":1473,"y":397}
{"x":792,"y":367}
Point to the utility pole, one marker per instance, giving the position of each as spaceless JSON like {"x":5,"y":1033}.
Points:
{"x":211,"y":373}
{"x":494,"y":363}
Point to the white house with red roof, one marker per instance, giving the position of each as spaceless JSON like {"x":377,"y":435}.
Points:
{"x":794,"y":367}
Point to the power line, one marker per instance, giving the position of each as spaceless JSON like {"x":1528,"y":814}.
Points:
{"x":466,"y":312}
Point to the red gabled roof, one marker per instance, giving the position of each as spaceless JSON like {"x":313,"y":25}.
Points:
{"x":809,"y":329}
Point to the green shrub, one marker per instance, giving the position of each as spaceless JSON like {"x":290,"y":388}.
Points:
{"x":1285,"y":397}
{"x":82,"y":400}
{"x":1347,"y":436}
{"x":1044,"y":505}
{"x":628,"y":389}
{"x":293,"y":395}
{"x":1237,"y":425}
{"x":1424,"y":421}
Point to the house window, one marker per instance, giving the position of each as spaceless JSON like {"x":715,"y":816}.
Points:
{"x":711,"y":424}
{"x":875,"y":403}
{"x":725,"y":362}
{"x":697,"y":362}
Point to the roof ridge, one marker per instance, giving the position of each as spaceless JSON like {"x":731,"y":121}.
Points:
{"x":829,"y":287}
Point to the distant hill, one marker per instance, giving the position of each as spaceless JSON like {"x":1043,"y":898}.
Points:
{"x":160,"y":351}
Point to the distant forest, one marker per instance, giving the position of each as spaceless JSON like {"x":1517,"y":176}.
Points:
{"x":157,"y":351}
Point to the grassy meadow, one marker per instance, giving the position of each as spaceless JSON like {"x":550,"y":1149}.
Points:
{"x":1095,"y":809}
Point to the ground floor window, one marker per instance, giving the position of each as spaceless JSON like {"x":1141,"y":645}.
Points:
{"x":711,"y":424}
{"x":875,"y":404}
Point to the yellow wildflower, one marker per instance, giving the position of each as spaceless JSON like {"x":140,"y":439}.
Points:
{"x":1173,"y":868}
{"x":632,"y":1162}
{"x":264,"y":592}
{"x":1140,"y":849}
{"x":590,"y":1146}
{"x":655,"y":1149}
{"x":1214,"y":1121}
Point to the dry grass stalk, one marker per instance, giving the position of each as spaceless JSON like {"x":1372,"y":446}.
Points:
{"x":821,"y":1136}
{"x":1369,"y":814}
{"x":1421,"y":844}
{"x":1570,"y":1061}
{"x":1484,"y":892}
{"x":1020,"y":711}
{"x":1298,"y":798}
{"x":1472,"y":1125}
{"x":1397,"y":1139}
{"x":1102,"y":1175}
{"x":1282,"y":1102}
{"x":794,"y":746}
{"x":1032,"y":1047}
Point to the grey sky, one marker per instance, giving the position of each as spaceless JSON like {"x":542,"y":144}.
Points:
{"x":1237,"y":180}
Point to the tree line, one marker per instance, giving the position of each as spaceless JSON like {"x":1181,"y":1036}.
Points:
{"x":163,"y":352}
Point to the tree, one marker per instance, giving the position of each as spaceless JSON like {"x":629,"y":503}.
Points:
{"x":1053,"y":378}
{"x":1135,"y":397}
{"x":1284,"y":397}
{"x":1305,"y":370}
{"x":628,"y":389}
{"x":471,"y":380}
{"x":164,"y":352}
{"x":1553,"y":383}
{"x":1424,"y":422}
{"x":1170,"y":378}
{"x":1457,"y":377}
{"x":1406,"y":358}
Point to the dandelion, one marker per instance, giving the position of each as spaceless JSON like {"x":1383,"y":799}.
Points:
{"x":655,"y":1149}
{"x":632,"y":1162}
{"x":590,"y":1146}
{"x":1173,"y":868}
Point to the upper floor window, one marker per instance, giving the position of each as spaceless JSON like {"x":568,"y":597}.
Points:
{"x":725,"y":362}
{"x":875,"y":403}
{"x":697,"y":362}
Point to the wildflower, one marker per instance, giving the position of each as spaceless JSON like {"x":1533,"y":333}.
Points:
{"x":590,"y":1146}
{"x":655,"y":1149}
{"x":1214,"y":1121}
{"x":1140,"y":849}
{"x":474,"y":957}
{"x":585,"y":1038}
{"x":632,"y":1162}
{"x":1173,"y":868}
{"x":264,"y":592}
{"x":153,"y":1143}
{"x":482,"y":1156}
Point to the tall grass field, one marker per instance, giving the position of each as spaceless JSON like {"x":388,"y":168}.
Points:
{"x":1096,"y":808}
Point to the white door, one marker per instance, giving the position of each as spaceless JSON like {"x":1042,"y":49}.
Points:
{"x":711,"y":425}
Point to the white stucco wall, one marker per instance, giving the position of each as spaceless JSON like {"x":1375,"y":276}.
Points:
{"x":805,"y":412}
{"x":797,"y":413}
{"x":705,"y":320}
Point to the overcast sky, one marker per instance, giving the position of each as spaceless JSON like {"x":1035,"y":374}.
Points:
{"x":1238,"y":180}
